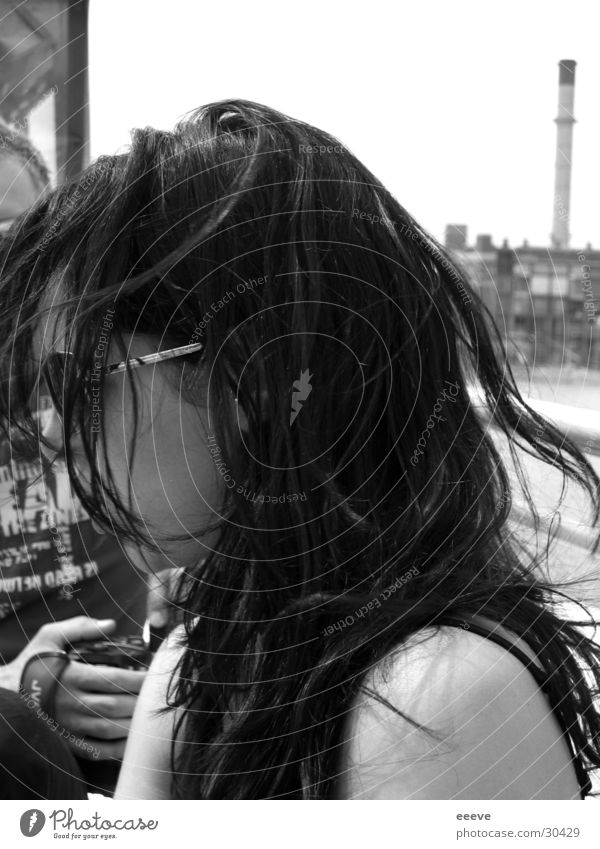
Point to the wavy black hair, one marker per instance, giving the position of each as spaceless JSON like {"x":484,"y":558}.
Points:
{"x":315,"y":294}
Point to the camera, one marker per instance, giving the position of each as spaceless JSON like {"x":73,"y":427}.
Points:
{"x":126,"y":652}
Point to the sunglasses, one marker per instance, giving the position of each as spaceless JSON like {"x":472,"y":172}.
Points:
{"x":53,"y":373}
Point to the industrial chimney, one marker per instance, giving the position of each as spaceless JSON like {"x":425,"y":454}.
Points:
{"x":564,"y":148}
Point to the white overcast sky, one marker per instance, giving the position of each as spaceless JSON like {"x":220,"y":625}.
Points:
{"x":450,"y":104}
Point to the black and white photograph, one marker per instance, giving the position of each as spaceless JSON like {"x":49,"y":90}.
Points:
{"x":299,"y":422}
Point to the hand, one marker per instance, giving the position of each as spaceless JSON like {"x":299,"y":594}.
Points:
{"x":96,"y":704}
{"x":50,"y":637}
{"x":93,"y":703}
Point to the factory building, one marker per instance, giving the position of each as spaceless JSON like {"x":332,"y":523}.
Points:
{"x":544,"y":300}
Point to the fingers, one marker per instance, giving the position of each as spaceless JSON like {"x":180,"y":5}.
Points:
{"x":84,"y":628}
{"x":105,"y":713}
{"x":99,"y":750}
{"x":100,"y":728}
{"x":103,"y":679}
{"x":57,"y":634}
{"x":93,"y":703}
{"x":100,"y":720}
{"x":104,"y":717}
{"x":108,"y":706}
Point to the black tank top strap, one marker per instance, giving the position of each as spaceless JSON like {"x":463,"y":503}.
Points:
{"x":478,"y":625}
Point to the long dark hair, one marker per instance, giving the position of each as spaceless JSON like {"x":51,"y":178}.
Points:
{"x":367,"y":499}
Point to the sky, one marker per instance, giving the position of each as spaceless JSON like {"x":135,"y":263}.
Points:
{"x":450,"y":104}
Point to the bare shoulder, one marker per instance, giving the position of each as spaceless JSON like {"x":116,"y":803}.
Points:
{"x":494,"y":735}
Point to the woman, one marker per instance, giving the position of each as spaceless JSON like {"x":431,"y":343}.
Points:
{"x":260,"y":365}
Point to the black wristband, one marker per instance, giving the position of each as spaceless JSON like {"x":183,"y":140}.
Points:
{"x":40,"y":678}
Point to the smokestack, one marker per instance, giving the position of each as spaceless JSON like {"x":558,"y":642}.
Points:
{"x":564,"y":147}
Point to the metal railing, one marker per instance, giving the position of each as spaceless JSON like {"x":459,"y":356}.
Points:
{"x":579,"y":424}
{"x":582,"y":426}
